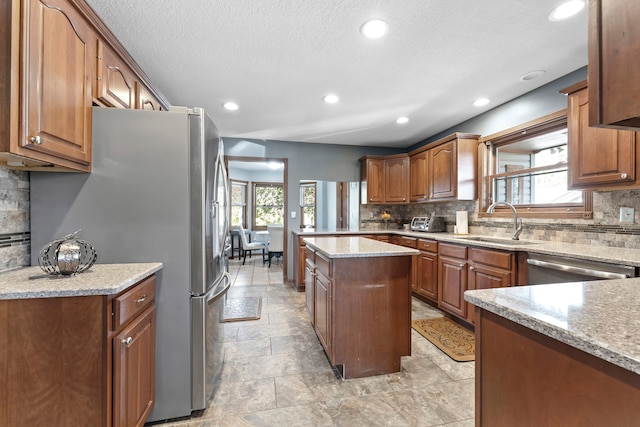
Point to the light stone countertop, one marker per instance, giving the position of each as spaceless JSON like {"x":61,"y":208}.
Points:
{"x":100,"y":279}
{"x":356,"y":247}
{"x":599,"y":318}
{"x":588,"y":252}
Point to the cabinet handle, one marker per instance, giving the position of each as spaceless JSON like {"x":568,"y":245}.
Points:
{"x":139,"y":300}
{"x":127,"y":341}
{"x":472,"y":268}
{"x":463,"y":264}
{"x":623,"y":176}
{"x":36,"y":140}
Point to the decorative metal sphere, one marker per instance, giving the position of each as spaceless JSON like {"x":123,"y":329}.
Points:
{"x":67,"y":256}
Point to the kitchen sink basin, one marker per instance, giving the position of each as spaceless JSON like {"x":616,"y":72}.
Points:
{"x":498,"y":240}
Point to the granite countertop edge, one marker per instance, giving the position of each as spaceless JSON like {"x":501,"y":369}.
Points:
{"x":100,"y":279}
{"x":333,"y":247}
{"x":530,"y":318}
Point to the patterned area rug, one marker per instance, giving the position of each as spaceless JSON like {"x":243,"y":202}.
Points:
{"x":456,"y":341}
{"x":245,"y":308}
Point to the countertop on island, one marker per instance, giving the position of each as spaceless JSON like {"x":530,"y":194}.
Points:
{"x":356,"y":247}
{"x":100,"y":279}
{"x":599,"y":318}
{"x":608,"y":254}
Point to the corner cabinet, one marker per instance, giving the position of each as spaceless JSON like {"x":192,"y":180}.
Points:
{"x":82,"y":361}
{"x":598,"y":158}
{"x":614,"y":69}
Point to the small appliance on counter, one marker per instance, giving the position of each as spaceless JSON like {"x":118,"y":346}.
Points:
{"x":430,"y":224}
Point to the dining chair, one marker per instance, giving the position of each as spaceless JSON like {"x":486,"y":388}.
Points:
{"x":250,"y":246}
{"x":276,"y":243}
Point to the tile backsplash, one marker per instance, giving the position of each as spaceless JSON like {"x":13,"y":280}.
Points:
{"x":14,"y":219}
{"x":603,"y":230}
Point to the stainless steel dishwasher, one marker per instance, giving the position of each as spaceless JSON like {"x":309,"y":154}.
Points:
{"x":545,"y":269}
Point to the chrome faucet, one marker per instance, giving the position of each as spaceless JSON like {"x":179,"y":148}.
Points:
{"x":517,"y":225}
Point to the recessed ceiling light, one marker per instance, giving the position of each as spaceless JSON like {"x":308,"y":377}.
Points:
{"x":374,"y":29}
{"x":402,"y":120}
{"x":331,"y":99}
{"x":274,"y":165}
{"x":231,"y":106}
{"x":481,"y":102}
{"x":566,"y":10}
{"x":532,"y":75}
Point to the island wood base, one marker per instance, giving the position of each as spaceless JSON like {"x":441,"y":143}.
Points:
{"x":361,"y":311}
{"x":524,"y":378}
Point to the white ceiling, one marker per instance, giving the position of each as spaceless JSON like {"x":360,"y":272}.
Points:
{"x":278,"y":58}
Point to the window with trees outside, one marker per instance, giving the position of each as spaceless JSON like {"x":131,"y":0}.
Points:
{"x":239,"y":203}
{"x":526,"y":166}
{"x":268,"y":204}
{"x":308,"y":204}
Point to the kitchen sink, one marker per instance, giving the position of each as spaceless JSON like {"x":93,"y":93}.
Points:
{"x":498,"y":240}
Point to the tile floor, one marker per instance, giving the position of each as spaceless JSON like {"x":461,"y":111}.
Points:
{"x":276,"y":374}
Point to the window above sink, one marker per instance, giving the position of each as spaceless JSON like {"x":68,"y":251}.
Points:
{"x":527,"y":167}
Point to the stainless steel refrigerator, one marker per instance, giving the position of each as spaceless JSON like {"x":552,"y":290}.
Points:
{"x":158,"y":192}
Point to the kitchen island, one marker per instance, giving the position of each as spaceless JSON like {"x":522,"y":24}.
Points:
{"x":359,"y":301}
{"x":558,"y":355}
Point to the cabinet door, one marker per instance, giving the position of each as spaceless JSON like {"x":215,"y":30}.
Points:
{"x":115,"y":82}
{"x":309,"y":289}
{"x":597,"y":157}
{"x":452,"y":282}
{"x":614,"y":70}
{"x":373,"y":182}
{"x":134,"y":371}
{"x":444,"y":171}
{"x":57,"y":84}
{"x":144,"y":100}
{"x":418,"y":182}
{"x":427,"y":281}
{"x":323,"y":310}
{"x":396,"y":180}
{"x":484,"y":277}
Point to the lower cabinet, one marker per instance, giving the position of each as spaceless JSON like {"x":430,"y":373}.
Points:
{"x":426,"y":283}
{"x":78,"y":361}
{"x":322,"y":292}
{"x":309,"y":288}
{"x":462,"y":268}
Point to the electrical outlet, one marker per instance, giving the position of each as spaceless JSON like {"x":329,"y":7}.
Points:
{"x":627,"y":215}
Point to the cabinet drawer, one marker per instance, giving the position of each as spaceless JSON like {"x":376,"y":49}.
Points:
{"x":409,"y":242}
{"x":323,"y":264}
{"x":493,"y":258}
{"x":131,"y":303}
{"x":427,"y":245}
{"x":310,"y":254}
{"x":453,"y":251}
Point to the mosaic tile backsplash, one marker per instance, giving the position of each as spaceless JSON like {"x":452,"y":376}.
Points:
{"x":603,"y":230}
{"x":14,"y":219}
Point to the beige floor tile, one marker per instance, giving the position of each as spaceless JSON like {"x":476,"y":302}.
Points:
{"x":275,"y":372}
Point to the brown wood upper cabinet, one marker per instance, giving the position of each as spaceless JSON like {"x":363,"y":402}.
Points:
{"x":47,"y":121}
{"x":419,"y":176}
{"x":114,"y":81}
{"x":445,"y":169}
{"x":384,"y":179}
{"x":614,"y":69}
{"x":598,"y":158}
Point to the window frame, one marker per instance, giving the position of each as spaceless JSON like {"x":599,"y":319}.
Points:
{"x":233,"y":182}
{"x":313,"y":184}
{"x":255,"y":184}
{"x":488,"y":159}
